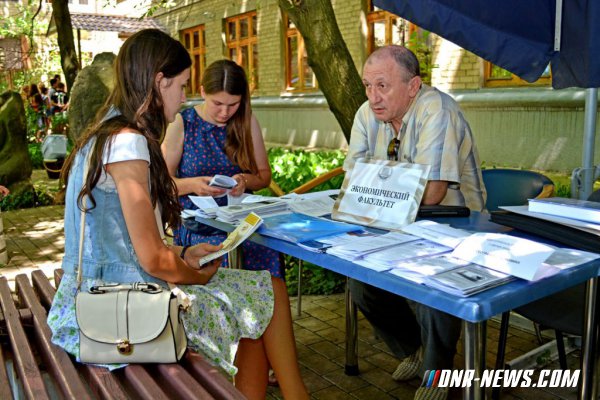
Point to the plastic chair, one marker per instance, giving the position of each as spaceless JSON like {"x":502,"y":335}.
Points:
{"x":513,"y":187}
{"x":305,"y":188}
{"x":562,"y":312}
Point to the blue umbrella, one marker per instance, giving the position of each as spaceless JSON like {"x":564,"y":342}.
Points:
{"x":523,"y":36}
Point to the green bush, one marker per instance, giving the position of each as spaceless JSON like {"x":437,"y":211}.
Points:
{"x":293,"y":168}
{"x":37,"y":198}
{"x":35,"y":154}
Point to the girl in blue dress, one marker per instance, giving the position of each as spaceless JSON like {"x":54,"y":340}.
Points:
{"x":127,"y":178}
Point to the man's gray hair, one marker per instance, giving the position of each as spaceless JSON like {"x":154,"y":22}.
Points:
{"x":403,"y":57}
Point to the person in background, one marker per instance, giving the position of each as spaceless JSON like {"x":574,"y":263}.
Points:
{"x":222,"y":136}
{"x":60,"y":99}
{"x":127,"y":180}
{"x":51,"y":93}
{"x":4,"y":191}
{"x":408,"y":121}
{"x":37,"y":104}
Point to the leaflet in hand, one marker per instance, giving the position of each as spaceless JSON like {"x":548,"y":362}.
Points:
{"x":246,"y":228}
{"x":223,"y":181}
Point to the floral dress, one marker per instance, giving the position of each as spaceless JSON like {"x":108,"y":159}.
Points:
{"x":204,"y":155}
{"x":234,"y":304}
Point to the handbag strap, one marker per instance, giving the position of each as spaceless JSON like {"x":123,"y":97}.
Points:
{"x":86,"y":168}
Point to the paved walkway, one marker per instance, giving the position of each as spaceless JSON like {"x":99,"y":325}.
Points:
{"x":35,"y":241}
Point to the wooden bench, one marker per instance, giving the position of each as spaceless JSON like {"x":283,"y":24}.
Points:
{"x":26,"y":340}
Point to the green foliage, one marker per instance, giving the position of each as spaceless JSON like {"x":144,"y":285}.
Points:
{"x":43,"y":52}
{"x":40,"y":196}
{"x":420,"y":44}
{"x":292,"y":168}
{"x":315,"y":280}
{"x":35,"y":154}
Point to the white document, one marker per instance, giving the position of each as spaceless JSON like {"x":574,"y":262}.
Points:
{"x":468,"y":280}
{"x":316,"y":207}
{"x":515,"y":256}
{"x":568,"y":258}
{"x":203,"y":202}
{"x":223,"y":181}
{"x":418,"y":270}
{"x":439,"y":233}
{"x":396,"y":255}
{"x":360,"y":246}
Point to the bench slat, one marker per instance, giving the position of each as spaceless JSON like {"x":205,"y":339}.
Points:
{"x":58,"y":362}
{"x":43,"y":288}
{"x":139,"y":381}
{"x":175,"y":379}
{"x":5,"y":390}
{"x":104,"y":384}
{"x":211,"y":378}
{"x":25,"y":364}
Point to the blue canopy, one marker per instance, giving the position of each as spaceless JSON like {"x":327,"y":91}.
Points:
{"x":517,"y":35}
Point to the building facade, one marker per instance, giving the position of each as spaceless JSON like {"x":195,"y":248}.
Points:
{"x":516,"y":124}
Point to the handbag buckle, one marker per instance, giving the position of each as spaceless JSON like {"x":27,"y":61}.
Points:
{"x":124,"y":347}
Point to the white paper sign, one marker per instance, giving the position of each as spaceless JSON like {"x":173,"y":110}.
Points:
{"x":382,"y":194}
{"x":515,"y":256}
{"x":439,"y":233}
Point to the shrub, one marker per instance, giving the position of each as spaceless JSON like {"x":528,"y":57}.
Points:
{"x":35,"y":154}
{"x":292,"y":168}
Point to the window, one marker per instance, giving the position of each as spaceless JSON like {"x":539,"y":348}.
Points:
{"x":386,"y":28}
{"x":194,"y":40}
{"x":498,"y":77}
{"x":242,"y":46}
{"x":298,"y":74}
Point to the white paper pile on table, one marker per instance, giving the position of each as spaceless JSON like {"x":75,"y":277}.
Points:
{"x":237,"y":212}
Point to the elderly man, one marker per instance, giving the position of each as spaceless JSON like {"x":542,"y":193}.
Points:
{"x":408,"y":121}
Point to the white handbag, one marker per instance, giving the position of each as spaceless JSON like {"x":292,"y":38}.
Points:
{"x":128,"y":323}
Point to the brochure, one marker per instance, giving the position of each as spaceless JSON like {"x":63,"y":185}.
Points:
{"x":296,"y":227}
{"x":468,"y":280}
{"x":235,"y":238}
{"x":223,"y":181}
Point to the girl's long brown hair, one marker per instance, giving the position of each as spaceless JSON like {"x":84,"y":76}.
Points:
{"x":139,"y":106}
{"x":227,"y":76}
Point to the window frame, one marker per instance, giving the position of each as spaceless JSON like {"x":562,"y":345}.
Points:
{"x":292,"y":32}
{"x":513,"y":81}
{"x":197,"y":54}
{"x":237,"y":43}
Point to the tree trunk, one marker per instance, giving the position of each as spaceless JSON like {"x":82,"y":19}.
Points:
{"x":66,"y":43}
{"x":329,"y":58}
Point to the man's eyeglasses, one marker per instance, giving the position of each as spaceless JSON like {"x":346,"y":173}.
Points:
{"x":392,"y":149}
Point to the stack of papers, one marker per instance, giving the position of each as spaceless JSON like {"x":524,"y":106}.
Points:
{"x":360,"y":246}
{"x":468,"y":280}
{"x":583,"y":210}
{"x":266,"y":208}
{"x":395,"y":256}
